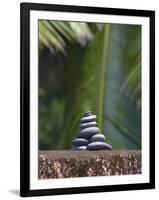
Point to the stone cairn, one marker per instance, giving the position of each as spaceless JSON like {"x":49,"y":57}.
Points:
{"x":90,"y":137}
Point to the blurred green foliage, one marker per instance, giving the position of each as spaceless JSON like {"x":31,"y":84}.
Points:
{"x":88,"y":66}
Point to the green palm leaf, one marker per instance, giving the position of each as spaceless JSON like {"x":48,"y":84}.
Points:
{"x":122,"y":110}
{"x":55,"y":34}
{"x":86,"y":83}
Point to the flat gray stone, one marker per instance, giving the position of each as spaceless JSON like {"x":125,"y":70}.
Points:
{"x":89,"y":118}
{"x":79,"y":148}
{"x":88,"y":113}
{"x":80,"y":142}
{"x":89,"y":124}
{"x":87,"y":133}
{"x":97,"y":138}
{"x":98,"y":146}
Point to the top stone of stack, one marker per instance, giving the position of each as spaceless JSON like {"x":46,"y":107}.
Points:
{"x":88,"y":117}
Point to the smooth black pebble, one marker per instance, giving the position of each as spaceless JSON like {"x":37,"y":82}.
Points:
{"x":88,"y":118}
{"x":89,"y":124}
{"x":98,"y":146}
{"x":79,"y":148}
{"x":80,"y":142}
{"x":97,"y":138}
{"x":87,"y":133}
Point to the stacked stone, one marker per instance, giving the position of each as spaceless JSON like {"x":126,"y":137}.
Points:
{"x":90,"y":137}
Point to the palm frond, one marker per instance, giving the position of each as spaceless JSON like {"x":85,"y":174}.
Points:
{"x":56,"y":34}
{"x":123,"y":97}
{"x":86,"y":86}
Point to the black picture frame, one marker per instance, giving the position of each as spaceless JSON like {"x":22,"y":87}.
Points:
{"x":25,"y":9}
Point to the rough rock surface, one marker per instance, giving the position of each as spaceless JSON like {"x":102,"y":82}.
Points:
{"x":63,"y":164}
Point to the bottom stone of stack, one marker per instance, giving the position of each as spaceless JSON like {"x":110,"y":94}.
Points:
{"x":79,"y":148}
{"x":98,"y":146}
{"x":80,"y":142}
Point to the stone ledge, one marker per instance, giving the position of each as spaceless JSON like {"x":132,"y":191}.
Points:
{"x":63,"y":164}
